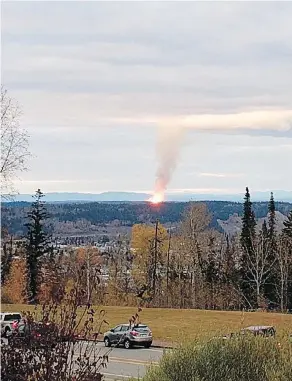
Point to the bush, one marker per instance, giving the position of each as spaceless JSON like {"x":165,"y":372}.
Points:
{"x":48,"y":349}
{"x":253,"y":359}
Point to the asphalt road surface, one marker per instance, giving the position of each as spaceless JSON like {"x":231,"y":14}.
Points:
{"x":123,"y":363}
{"x":126,"y":363}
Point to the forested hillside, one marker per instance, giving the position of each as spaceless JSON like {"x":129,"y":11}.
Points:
{"x":126,"y":214}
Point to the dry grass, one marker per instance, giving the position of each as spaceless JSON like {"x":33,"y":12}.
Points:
{"x":173,"y":325}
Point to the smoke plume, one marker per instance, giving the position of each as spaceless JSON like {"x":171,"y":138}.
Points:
{"x":168,"y":147}
{"x":171,"y":132}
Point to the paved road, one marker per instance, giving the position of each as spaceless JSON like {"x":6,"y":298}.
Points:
{"x":127,"y":363}
{"x":123,"y":363}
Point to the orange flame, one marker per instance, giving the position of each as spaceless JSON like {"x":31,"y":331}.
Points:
{"x":157,"y":198}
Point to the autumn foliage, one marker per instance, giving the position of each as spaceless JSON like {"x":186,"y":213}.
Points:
{"x":14,"y":289}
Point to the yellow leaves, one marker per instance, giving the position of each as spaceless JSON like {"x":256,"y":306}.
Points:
{"x":143,"y":245}
{"x":15,"y":286}
{"x":69,"y":285}
{"x":143,"y":238}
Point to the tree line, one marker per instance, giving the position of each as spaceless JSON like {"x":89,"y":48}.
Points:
{"x":125,"y":214}
{"x":191,"y":266}
{"x":198,"y":267}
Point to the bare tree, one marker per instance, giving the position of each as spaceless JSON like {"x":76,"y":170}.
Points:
{"x":284,"y":265}
{"x":259,"y":265}
{"x":194,"y":235}
{"x":120,"y":285}
{"x":14,"y":143}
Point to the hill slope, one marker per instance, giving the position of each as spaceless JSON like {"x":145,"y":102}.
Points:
{"x":87,"y":217}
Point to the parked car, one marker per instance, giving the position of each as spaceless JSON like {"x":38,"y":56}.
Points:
{"x":40,"y":335}
{"x":7,"y":320}
{"x":33,"y":334}
{"x":260,"y":330}
{"x":129,"y":335}
{"x":255,"y":330}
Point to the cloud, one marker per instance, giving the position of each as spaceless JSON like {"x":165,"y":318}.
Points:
{"x":220,"y":175}
{"x":278,"y":120}
{"x":188,"y":60}
{"x":205,"y":190}
{"x":96,"y":79}
{"x":277,"y":123}
{"x":258,"y":122}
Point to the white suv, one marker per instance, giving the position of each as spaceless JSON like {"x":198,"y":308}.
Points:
{"x":6,"y":320}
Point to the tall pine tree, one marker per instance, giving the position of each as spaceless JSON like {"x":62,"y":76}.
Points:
{"x":248,"y":223}
{"x":272,"y":222}
{"x":38,"y":244}
{"x":271,"y":283}
{"x":287,"y":232}
{"x":247,"y":240}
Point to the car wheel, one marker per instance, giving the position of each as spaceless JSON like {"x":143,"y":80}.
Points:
{"x":147,"y":345}
{"x":127,"y":344}
{"x":107,"y":342}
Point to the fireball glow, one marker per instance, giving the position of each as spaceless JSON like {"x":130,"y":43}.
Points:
{"x":157,"y":198}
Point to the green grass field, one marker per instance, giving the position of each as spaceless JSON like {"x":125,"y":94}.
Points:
{"x":171,"y":325}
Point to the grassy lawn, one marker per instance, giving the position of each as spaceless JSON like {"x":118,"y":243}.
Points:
{"x":176,"y":325}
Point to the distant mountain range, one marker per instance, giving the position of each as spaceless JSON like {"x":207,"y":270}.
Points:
{"x":279,"y":195}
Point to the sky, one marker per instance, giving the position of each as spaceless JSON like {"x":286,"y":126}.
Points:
{"x":97,"y":80}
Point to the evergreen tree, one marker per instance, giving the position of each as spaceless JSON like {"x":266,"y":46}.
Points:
{"x":272,"y":222}
{"x":229,"y":267}
{"x":38,"y":244}
{"x":287,"y":233}
{"x":288,"y":225}
{"x":247,"y":240}
{"x":271,"y":283}
{"x":209,"y":265}
{"x":248,"y":223}
{"x":210,"y":269}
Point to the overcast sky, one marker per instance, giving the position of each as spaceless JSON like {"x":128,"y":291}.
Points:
{"x":95,"y":80}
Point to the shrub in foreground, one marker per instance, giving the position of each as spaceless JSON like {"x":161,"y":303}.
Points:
{"x":48,"y":350}
{"x":231,"y":360}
